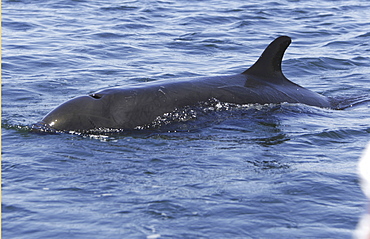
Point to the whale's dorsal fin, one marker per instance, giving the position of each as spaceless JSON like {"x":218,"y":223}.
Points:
{"x":268,"y":66}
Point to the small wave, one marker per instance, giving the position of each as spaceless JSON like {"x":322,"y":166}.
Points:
{"x":20,"y":128}
{"x":19,"y":26}
{"x":326,"y":63}
{"x":347,"y":102}
{"x":119,"y":8}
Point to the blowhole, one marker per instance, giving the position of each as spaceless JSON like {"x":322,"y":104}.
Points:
{"x":95,"y":96}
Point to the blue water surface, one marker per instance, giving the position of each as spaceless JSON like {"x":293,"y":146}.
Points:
{"x":272,"y":171}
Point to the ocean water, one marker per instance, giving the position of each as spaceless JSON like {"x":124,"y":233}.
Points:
{"x":272,"y":171}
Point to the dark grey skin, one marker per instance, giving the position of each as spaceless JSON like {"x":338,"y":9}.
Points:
{"x":141,"y":104}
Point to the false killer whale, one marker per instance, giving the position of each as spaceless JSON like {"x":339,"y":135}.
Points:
{"x":140,"y":104}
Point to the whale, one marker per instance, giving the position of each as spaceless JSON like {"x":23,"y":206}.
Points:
{"x":140,"y":104}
